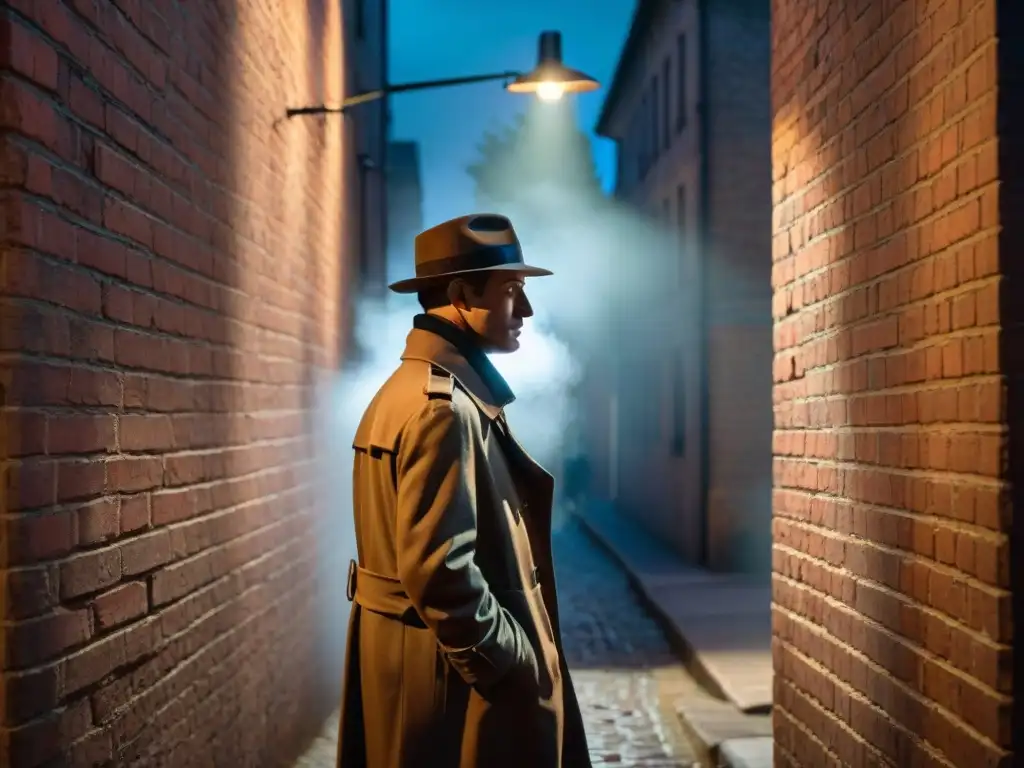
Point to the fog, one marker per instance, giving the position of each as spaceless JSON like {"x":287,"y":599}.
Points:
{"x":609,"y":263}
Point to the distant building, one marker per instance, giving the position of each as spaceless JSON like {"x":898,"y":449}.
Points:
{"x":689,"y":108}
{"x":368,"y":128}
{"x":405,"y":206}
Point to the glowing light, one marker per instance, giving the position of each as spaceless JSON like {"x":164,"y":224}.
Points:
{"x":550,"y":91}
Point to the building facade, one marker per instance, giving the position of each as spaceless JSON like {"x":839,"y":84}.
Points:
{"x":174,"y":267}
{"x":689,"y":109}
{"x":369,"y":127}
{"x":405,"y":206}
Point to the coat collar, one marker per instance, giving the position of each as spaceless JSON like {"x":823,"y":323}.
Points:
{"x":437,"y":341}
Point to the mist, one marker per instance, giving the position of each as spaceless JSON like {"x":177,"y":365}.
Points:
{"x":602,"y":253}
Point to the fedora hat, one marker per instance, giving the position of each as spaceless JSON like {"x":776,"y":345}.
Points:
{"x":479,"y":242}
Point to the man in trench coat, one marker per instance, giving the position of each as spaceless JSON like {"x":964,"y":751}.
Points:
{"x":454,"y":656}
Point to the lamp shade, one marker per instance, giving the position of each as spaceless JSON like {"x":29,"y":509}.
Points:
{"x":551,"y":78}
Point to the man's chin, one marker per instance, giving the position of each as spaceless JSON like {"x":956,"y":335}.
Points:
{"x":510,"y":346}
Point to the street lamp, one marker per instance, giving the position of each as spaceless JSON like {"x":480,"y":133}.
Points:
{"x":550,"y":80}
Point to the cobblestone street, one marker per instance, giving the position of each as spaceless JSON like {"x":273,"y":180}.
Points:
{"x":623,"y":669}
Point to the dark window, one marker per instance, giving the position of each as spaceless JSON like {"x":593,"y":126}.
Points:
{"x":681,"y":83}
{"x":666,"y":104}
{"x":655,"y":117}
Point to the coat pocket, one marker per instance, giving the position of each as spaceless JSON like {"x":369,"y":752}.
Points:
{"x":527,"y":608}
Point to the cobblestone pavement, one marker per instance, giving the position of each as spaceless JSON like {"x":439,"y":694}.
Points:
{"x":624,"y":671}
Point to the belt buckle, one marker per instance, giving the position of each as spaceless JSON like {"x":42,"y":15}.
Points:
{"x":350,"y":586}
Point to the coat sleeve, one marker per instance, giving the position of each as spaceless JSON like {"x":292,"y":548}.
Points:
{"x":436,"y":544}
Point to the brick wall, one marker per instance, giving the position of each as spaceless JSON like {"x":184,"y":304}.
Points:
{"x":169,"y":269}
{"x":892,"y":584}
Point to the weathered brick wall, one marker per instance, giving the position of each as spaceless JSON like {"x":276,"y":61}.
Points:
{"x":892,"y":596}
{"x":170,"y":264}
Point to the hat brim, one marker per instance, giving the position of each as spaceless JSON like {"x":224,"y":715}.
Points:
{"x":414,"y":284}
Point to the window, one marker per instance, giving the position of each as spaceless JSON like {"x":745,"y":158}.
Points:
{"x":681,"y":104}
{"x":654,"y":96}
{"x":666,"y":105}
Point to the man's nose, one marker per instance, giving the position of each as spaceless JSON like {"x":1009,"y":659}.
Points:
{"x":523,"y":307}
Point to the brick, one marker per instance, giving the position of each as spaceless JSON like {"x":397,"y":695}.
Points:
{"x":94,"y":663}
{"x":29,"y":592}
{"x":29,"y":54}
{"x":35,"y":537}
{"x":130,"y":474}
{"x":23,"y":434}
{"x":135,"y":514}
{"x":27,"y":695}
{"x":90,"y":572}
{"x":120,"y":605}
{"x":78,"y":433}
{"x":144,"y":553}
{"x":149,"y":432}
{"x":80,"y":479}
{"x":97,"y":522}
{"x":36,"y":640}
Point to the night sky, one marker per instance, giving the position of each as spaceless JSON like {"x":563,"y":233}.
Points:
{"x":450,"y":38}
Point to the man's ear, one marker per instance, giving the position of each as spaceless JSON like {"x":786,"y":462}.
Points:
{"x":457,"y":294}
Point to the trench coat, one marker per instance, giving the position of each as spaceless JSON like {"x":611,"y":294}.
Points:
{"x":454,"y":653}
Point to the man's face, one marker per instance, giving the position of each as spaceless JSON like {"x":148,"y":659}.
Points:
{"x":497,"y":311}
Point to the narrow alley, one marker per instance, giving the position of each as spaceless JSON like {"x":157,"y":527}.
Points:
{"x":624,"y":671}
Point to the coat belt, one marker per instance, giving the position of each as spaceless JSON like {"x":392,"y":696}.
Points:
{"x":380,"y":594}
{"x":385,"y":595}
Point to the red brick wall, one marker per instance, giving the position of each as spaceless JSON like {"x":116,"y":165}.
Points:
{"x":169,"y":270}
{"x":892,"y":598}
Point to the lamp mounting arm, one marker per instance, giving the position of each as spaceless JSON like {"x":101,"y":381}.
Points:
{"x":387,"y":90}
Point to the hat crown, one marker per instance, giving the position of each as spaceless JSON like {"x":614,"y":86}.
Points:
{"x":467,"y":244}
{"x":464,"y":235}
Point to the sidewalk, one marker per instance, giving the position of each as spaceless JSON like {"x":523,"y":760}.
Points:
{"x":721,"y":626}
